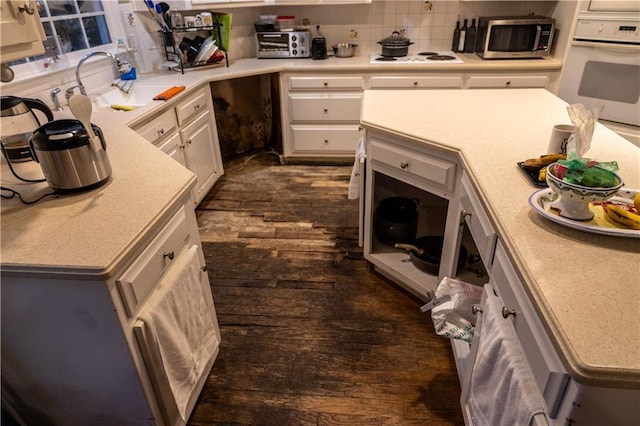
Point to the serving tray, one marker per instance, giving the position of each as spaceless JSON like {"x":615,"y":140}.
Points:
{"x":532,"y":175}
{"x":540,"y":201}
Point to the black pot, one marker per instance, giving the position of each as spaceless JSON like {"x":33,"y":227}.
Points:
{"x":426,"y":254}
{"x":395,"y":45}
{"x":396,"y":220}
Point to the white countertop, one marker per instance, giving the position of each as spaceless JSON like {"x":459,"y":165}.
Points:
{"x":584,"y":286}
{"x":89,"y":234}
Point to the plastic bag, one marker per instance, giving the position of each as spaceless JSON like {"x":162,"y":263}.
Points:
{"x":452,"y":315}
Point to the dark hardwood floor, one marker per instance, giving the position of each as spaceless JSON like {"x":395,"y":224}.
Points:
{"x":311,"y":335}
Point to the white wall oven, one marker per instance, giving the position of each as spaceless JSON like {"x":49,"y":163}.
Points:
{"x":603,"y":67}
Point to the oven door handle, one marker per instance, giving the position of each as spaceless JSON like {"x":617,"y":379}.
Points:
{"x":608,"y":46}
{"x":536,"y":42}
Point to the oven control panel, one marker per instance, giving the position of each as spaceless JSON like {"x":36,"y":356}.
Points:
{"x":608,"y":31}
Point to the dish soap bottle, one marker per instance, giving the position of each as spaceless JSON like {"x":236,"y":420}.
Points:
{"x":127,"y":67}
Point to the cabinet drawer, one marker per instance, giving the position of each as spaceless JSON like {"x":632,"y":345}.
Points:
{"x":323,"y":83}
{"x":337,"y":138}
{"x":139,"y":279}
{"x":478,"y":222}
{"x":193,"y":105}
{"x":498,"y":81}
{"x":436,"y":170}
{"x":322,"y":107}
{"x":548,"y":371}
{"x":158,"y":128}
{"x":409,"y":82}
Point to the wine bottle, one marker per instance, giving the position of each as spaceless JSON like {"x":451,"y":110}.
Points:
{"x":470,"y":40}
{"x":456,"y":37}
{"x":463,"y":36}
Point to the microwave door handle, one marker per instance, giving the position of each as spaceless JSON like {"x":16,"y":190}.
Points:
{"x":536,"y":42}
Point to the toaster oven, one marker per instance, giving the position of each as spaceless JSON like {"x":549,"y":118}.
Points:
{"x":283,"y":44}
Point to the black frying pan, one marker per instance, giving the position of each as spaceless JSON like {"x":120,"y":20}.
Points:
{"x":426,"y":254}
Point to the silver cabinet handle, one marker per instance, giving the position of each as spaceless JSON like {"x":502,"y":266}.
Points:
{"x":169,"y":254}
{"x":475,"y":308}
{"x":404,"y":165}
{"x":508,"y":311}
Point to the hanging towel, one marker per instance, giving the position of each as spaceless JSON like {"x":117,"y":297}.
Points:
{"x":502,"y":388}
{"x":179,"y":318}
{"x":354,"y":182}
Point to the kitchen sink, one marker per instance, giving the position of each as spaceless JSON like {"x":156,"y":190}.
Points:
{"x":140,"y":95}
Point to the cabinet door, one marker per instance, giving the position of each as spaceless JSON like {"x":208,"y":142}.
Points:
{"x":341,"y":107}
{"x":21,"y":33}
{"x":415,"y":82}
{"x":174,"y":148}
{"x":202,"y":153}
{"x":548,"y":371}
{"x":507,"y":81}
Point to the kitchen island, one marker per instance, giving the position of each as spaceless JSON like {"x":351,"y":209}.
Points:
{"x":583,"y":286}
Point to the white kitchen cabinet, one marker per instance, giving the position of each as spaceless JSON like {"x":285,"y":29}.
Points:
{"x":477,"y":220}
{"x":418,"y":81}
{"x":21,"y":32}
{"x":70,"y":354}
{"x":202,"y":153}
{"x":566,"y":401}
{"x":506,"y":80}
{"x":397,"y":167}
{"x":188,"y":134}
{"x":321,"y":115}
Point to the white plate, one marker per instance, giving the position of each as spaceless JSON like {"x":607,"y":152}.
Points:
{"x":600,"y":224}
{"x":208,"y":48}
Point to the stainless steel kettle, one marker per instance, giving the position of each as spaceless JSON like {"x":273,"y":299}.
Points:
{"x":17,"y":122}
{"x":69,"y":162}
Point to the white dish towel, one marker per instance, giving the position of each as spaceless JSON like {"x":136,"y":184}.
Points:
{"x":503,"y":391}
{"x":354,"y":182}
{"x":179,"y":318}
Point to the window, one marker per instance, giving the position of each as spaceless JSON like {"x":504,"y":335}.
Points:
{"x":71,"y":26}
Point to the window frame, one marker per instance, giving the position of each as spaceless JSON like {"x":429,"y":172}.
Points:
{"x":112,"y":12}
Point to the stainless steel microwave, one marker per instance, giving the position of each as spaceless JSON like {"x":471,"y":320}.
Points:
{"x":513,"y":37}
{"x":283,"y":44}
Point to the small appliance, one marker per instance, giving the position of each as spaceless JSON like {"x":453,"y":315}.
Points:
{"x":514,"y":37}
{"x":69,"y":161}
{"x":319,"y":46}
{"x":18,"y":121}
{"x":283,"y":44}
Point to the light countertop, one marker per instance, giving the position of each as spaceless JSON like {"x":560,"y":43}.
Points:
{"x":584,"y":286}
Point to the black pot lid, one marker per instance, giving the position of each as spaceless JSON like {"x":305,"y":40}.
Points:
{"x":395,"y":39}
{"x":64,"y":134}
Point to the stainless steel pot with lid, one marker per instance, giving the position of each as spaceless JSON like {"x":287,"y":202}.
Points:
{"x":69,"y":162}
{"x":395,"y":45}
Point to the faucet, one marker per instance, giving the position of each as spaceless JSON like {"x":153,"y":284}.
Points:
{"x":116,"y":61}
{"x":55,"y":100}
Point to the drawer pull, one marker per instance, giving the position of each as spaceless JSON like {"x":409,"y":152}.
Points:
{"x":27,"y":8}
{"x":169,"y":254}
{"x":160,"y":132}
{"x":326,"y":141}
{"x":475,"y":308}
{"x":404,"y":165}
{"x":204,"y":268}
{"x":326,"y":84}
{"x":508,"y":83}
{"x":196,"y":107}
{"x":464,"y":215}
{"x":415,"y":83}
{"x":508,"y":311}
{"x":326,"y":110}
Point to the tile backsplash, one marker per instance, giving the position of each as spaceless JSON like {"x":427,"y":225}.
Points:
{"x":429,"y":24}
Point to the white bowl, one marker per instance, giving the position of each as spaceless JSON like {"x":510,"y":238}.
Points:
{"x":574,"y":199}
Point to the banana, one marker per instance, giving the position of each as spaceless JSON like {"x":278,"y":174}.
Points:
{"x":636,"y":202}
{"x":544,"y":160}
{"x":621,"y":215}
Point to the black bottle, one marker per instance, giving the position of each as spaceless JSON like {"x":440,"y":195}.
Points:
{"x":470,"y":40}
{"x":456,"y":37}
{"x":463,"y":36}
